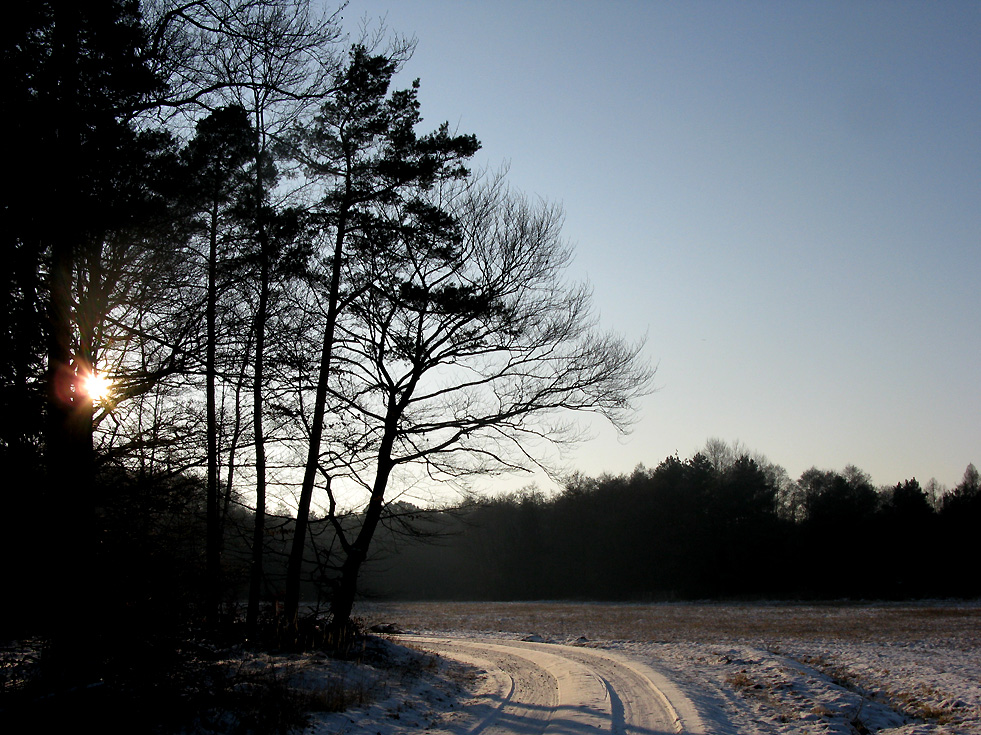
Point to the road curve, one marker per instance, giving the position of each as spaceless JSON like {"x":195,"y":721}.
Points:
{"x":550,"y":689}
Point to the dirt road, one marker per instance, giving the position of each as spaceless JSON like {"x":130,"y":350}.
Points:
{"x":548,"y":689}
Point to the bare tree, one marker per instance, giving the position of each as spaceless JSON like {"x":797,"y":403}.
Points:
{"x":468,"y":353}
{"x":261,"y":54}
{"x":275,"y":60}
{"x":363,"y":149}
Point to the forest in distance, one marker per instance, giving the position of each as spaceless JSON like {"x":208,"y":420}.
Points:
{"x":695,"y":529}
{"x":722,"y":524}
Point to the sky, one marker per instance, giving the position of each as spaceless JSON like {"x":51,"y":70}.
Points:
{"x":783,"y":198}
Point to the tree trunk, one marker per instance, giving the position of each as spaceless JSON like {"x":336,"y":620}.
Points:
{"x":259,"y":529}
{"x":295,"y":567}
{"x":342,"y":602}
{"x":213,"y":542}
{"x":265,"y":263}
{"x":68,"y":450}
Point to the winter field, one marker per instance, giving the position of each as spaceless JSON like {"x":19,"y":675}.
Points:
{"x":895,"y":669}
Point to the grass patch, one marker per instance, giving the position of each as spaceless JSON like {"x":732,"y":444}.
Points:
{"x":925,"y":703}
{"x":741,"y":681}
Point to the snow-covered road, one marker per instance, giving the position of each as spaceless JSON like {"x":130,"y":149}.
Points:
{"x":549,"y":689}
{"x":764,"y":669}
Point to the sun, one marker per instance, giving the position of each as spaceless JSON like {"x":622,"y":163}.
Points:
{"x":97,"y":387}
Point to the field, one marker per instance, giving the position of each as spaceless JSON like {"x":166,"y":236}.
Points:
{"x":694,"y":622}
{"x":896,"y":669}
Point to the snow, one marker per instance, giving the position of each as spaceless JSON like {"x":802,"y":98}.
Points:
{"x":827,"y":687}
{"x":416,"y":692}
{"x":752,"y":669}
{"x":891,"y":670}
{"x":741,"y":669}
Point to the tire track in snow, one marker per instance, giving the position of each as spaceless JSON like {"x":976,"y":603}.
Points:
{"x":549,"y":689}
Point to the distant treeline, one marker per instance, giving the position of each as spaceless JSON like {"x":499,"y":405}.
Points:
{"x":705,"y":527}
{"x":716,"y":525}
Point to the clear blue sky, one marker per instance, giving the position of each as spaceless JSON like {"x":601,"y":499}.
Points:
{"x":785,"y":197}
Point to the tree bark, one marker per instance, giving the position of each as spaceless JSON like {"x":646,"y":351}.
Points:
{"x":342,"y":602}
{"x":294,"y":570}
{"x":68,"y":447}
{"x":259,"y":529}
{"x":213,"y":543}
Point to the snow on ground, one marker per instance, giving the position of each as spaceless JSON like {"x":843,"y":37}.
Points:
{"x":826,"y":687}
{"x":413,"y":692}
{"x":751,"y":669}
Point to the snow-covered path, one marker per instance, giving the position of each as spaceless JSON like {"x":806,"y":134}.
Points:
{"x":764,"y":669}
{"x":548,"y":689}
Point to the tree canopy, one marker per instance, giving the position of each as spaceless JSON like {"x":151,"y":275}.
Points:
{"x":286,"y":283}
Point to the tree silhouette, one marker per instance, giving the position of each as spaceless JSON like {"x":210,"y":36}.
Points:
{"x":363,"y":149}
{"x":92,"y":192}
{"x":467,"y":347}
{"x":960,"y":516}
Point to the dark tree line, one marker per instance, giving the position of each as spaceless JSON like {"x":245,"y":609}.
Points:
{"x":301,"y":300}
{"x":699,"y":528}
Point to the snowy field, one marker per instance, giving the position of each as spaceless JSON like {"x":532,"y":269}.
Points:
{"x":896,"y":669}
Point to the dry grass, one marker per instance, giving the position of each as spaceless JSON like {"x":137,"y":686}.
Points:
{"x":741,"y":681}
{"x":336,"y":695}
{"x":924,"y":703}
{"x":837,"y":673}
{"x":699,"y":622}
